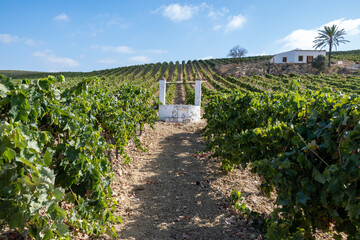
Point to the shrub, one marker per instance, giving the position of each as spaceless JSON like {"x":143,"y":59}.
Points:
{"x":319,"y":62}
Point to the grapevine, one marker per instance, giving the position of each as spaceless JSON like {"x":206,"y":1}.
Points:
{"x":56,"y":153}
{"x":304,"y":145}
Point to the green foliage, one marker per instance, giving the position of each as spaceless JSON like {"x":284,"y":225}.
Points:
{"x":304,"y":145}
{"x":193,"y":71}
{"x":146,"y":76}
{"x":171,"y":88}
{"x":281,"y":83}
{"x":190,"y":92}
{"x":330,"y":36}
{"x":353,"y":55}
{"x":319,"y":62}
{"x":239,"y":202}
{"x":55,"y":153}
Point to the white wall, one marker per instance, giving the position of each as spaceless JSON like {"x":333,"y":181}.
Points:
{"x":307,"y":53}
{"x":293,"y":56}
{"x":290,"y":57}
{"x":179,"y":113}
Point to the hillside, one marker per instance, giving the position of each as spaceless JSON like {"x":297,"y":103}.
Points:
{"x":19,"y":73}
{"x":219,"y":75}
{"x":351,"y":56}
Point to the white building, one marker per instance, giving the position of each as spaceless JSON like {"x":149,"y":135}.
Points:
{"x":297,"y":56}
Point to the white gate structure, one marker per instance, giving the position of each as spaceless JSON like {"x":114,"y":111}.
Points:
{"x":179,"y":113}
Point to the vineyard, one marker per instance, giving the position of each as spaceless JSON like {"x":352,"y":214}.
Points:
{"x":147,"y":76}
{"x":305,"y":146}
{"x":56,"y":153}
{"x":353,"y":55}
{"x":60,"y":136}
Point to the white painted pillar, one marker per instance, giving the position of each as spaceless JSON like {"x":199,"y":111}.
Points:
{"x":162,"y":91}
{"x":198,"y":93}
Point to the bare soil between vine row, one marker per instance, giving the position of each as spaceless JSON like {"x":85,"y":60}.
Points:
{"x":171,"y":192}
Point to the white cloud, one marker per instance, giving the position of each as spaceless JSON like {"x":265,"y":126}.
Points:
{"x":303,"y":39}
{"x":235,"y":22}
{"x":178,"y":13}
{"x":51,"y":58}
{"x":62,"y":17}
{"x":118,"y":49}
{"x":117,"y":21}
{"x":122,"y":49}
{"x":218,"y":17}
{"x":351,"y":26}
{"x":217,"y":13}
{"x":67,"y":62}
{"x":217,"y":27}
{"x":207,"y":57}
{"x":40,"y":54}
{"x":300,"y":38}
{"x":30,"y":42}
{"x":140,"y":59}
{"x":7,"y":38}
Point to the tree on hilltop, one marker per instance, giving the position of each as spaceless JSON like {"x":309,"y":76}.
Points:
{"x":237,"y":53}
{"x":330,"y":36}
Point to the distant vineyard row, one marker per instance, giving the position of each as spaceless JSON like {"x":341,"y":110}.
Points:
{"x":353,"y":55}
{"x":147,"y":76}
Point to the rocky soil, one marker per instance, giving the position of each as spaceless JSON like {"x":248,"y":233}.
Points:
{"x":262,"y":68}
{"x":173,"y":192}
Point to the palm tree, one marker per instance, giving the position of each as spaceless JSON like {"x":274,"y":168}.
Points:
{"x":331,"y":36}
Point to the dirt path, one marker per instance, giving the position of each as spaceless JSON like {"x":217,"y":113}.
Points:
{"x":189,"y":73}
{"x":169,"y":192}
{"x":171,"y":73}
{"x":163,"y":70}
{"x":155,"y":70}
{"x":180,"y":89}
{"x":211,"y":87}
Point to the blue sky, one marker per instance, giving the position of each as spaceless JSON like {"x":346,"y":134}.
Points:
{"x":86,"y":35}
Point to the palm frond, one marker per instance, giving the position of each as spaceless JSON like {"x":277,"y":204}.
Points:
{"x":329,"y":36}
